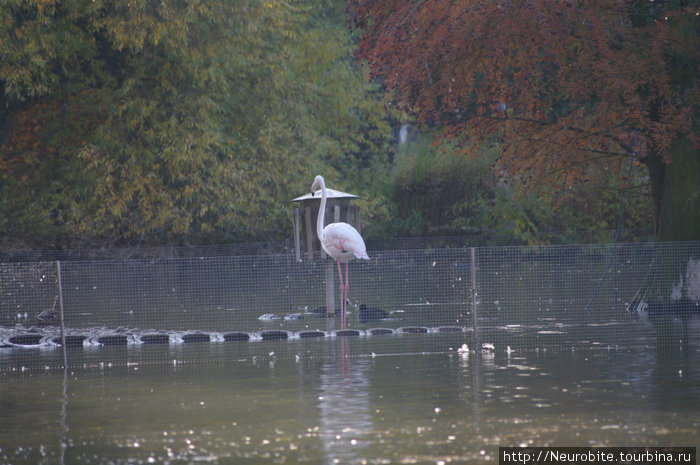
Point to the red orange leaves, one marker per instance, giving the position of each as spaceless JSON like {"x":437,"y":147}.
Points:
{"x":558,"y":82}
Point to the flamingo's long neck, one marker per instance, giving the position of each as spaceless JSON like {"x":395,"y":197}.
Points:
{"x":320,"y":222}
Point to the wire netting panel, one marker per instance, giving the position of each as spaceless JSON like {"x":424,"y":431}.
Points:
{"x":178,"y":357}
{"x":26,"y":290}
{"x":543,"y":295}
{"x":226,"y":293}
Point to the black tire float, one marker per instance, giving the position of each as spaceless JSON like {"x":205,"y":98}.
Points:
{"x":380,"y":331}
{"x":196,"y":337}
{"x":78,"y":340}
{"x":26,"y":339}
{"x":155,"y":339}
{"x":113,"y":340}
{"x":237,"y":336}
{"x":71,"y":341}
{"x":311,"y":334}
{"x":414,"y":329}
{"x":274,"y":335}
{"x":347,"y":332}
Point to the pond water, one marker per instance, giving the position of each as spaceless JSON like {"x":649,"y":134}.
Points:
{"x":399,"y":398}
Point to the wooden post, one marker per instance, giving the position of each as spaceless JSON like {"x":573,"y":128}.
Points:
{"x":475,"y":324}
{"x":309,"y":233}
{"x":59,"y":282}
{"x":330,"y":287}
{"x":297,"y":233}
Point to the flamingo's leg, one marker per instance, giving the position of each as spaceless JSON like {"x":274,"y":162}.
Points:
{"x":342,"y":288}
{"x":347,"y":288}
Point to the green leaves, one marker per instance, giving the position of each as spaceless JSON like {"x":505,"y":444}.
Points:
{"x":192,"y":122}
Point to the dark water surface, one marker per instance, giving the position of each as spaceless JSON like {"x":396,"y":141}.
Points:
{"x":401,"y":398}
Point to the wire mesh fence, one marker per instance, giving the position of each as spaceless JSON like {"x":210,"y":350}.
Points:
{"x":450,"y":350}
{"x":516,"y":295}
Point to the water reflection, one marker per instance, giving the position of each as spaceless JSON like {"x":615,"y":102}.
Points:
{"x":344,"y":405}
{"x":385,"y":399}
{"x":63,"y":416}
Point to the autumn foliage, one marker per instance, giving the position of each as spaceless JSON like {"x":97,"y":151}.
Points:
{"x":558,"y":84}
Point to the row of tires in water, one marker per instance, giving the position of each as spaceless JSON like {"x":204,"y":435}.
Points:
{"x":149,"y":337}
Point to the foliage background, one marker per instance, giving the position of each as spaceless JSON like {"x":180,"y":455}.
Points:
{"x":144,"y":123}
{"x":153,"y":122}
{"x":565,"y":88}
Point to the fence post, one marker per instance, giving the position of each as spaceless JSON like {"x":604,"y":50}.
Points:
{"x":59,"y":281}
{"x":475,"y":326}
{"x":64,"y":398}
{"x":330,"y":287}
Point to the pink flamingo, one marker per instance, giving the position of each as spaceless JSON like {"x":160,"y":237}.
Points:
{"x":341,"y":241}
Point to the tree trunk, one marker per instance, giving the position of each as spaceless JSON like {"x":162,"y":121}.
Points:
{"x":676,"y":193}
{"x":675,"y":289}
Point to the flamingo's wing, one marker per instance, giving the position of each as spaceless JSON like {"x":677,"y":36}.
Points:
{"x":342,"y":242}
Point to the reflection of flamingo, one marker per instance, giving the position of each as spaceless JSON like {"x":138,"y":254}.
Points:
{"x":341,"y":241}
{"x":344,"y":405}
